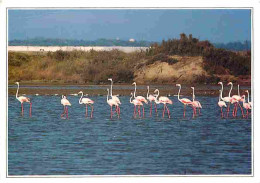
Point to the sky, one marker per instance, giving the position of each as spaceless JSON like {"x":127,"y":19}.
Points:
{"x":215,"y":25}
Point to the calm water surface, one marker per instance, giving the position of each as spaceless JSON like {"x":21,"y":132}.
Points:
{"x":46,"y":144}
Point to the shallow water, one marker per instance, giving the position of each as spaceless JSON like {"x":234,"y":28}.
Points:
{"x":46,"y":144}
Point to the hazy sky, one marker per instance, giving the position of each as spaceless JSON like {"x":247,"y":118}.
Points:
{"x":219,"y":25}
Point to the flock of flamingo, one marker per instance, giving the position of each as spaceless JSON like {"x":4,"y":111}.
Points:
{"x":154,"y":99}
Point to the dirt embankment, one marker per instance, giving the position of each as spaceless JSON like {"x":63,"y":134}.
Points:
{"x":187,"y":69}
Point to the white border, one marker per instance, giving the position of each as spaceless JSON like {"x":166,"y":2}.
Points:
{"x":186,"y":4}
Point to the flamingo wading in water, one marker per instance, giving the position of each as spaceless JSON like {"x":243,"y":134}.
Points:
{"x":151,"y":99}
{"x":164,"y":100}
{"x":112,"y":103}
{"x":221,"y":103}
{"x":184,"y":101}
{"x":23,"y":99}
{"x":87,"y":102}
{"x":227,"y":99}
{"x":247,"y":106}
{"x":65,"y":102}
{"x":140,"y":98}
{"x":196,"y":104}
{"x":115,"y":97}
{"x":136,"y":103}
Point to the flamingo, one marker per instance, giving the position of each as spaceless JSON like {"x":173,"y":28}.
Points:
{"x":112,"y":102}
{"x":184,"y":101}
{"x":115,"y":97}
{"x":248,"y":98}
{"x":87,"y":102}
{"x":23,"y":99}
{"x":164,"y":100}
{"x":151,"y":98}
{"x":226,"y":99}
{"x":247,"y":106}
{"x":221,"y":104}
{"x":140,"y":98}
{"x":136,"y":103}
{"x":65,"y":102}
{"x":196,"y":104}
{"x":236,"y":99}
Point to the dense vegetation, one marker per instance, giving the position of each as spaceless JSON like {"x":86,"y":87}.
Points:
{"x":96,"y":66}
{"x":74,"y":67}
{"x":216,"y":60}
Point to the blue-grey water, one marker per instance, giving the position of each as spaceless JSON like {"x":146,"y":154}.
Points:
{"x":46,"y":144}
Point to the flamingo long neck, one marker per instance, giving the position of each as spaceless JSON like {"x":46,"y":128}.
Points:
{"x":220,"y":93}
{"x":147,"y":92}
{"x":131,"y":99}
{"x":17,"y":91}
{"x":193,"y":96}
{"x":80,"y":100}
{"x":238,"y":90}
{"x":111,"y":87}
{"x":135,"y":90}
{"x":230,"y":90}
{"x":179,"y":93}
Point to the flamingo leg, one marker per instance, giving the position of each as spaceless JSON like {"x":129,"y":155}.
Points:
{"x":111,"y":113}
{"x":92,"y":109}
{"x":118,"y":111}
{"x":22,"y":108}
{"x":234,"y":109}
{"x":67,"y":112}
{"x":63,"y":111}
{"x":221,"y":112}
{"x":184,"y":110}
{"x":199,"y":112}
{"x":163,"y":110}
{"x":242,"y":111}
{"x":86,"y":115}
{"x":151,"y":106}
{"x":143,"y":111}
{"x":155,"y":106}
{"x":228,"y":109}
{"x":139,"y":112}
{"x":30,"y":109}
{"x":169,"y":115}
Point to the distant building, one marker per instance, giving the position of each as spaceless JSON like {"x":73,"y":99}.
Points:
{"x":131,"y":40}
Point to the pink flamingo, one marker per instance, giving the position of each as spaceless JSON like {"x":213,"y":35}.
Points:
{"x":65,"y":102}
{"x":140,"y":98}
{"x":236,"y":99}
{"x":136,"y":103}
{"x":23,"y":99}
{"x":112,"y":103}
{"x":184,"y":101}
{"x":226,"y":99}
{"x":87,"y":102}
{"x":221,"y":104}
{"x":195,"y":103}
{"x":164,"y":100}
{"x":247,"y":106}
{"x":151,"y":98}
{"x":115,"y":97}
{"x":248,"y":98}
